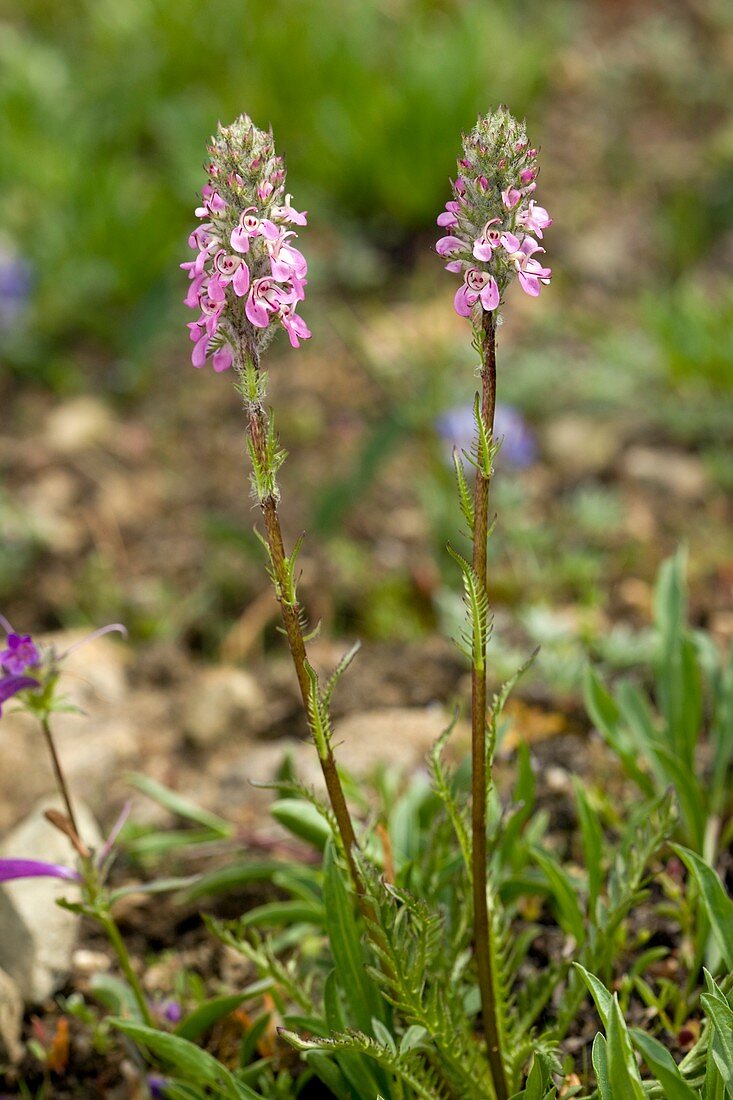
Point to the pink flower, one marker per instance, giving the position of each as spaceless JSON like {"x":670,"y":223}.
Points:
{"x":511,"y":197}
{"x":287,"y":213}
{"x":285,"y":260}
{"x":265,"y":298}
{"x":294,"y":325}
{"x":449,"y":217}
{"x":483,"y":246}
{"x":251,"y":226}
{"x":534,"y":219}
{"x":477,"y":285}
{"x":529,"y":271}
{"x":449,"y":244}
{"x":527,"y":175}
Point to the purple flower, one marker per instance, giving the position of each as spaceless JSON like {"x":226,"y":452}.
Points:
{"x":20,"y":654}
{"x":157,"y":1086}
{"x":491,"y":207}
{"x":33,"y":868}
{"x":11,"y":685}
{"x":247,"y":277}
{"x":457,"y":428}
{"x":15,"y":285}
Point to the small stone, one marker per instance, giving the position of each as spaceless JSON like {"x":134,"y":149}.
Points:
{"x":397,"y":737}
{"x":88,"y":962}
{"x":223,"y":701}
{"x":579,"y":445}
{"x":77,"y":425}
{"x":11,"y":1019}
{"x":38,"y":936}
{"x":682,"y":474}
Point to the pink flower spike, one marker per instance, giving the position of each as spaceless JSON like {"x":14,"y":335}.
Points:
{"x":449,"y":244}
{"x":222,"y":358}
{"x":511,"y":197}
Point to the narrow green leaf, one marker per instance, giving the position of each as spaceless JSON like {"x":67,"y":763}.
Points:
{"x":303,"y":820}
{"x":599,"y":993}
{"x":718,"y":905}
{"x":663,"y":1066}
{"x":344,"y":940}
{"x":592,"y":834}
{"x":721,"y":1016}
{"x":207,"y":1014}
{"x":564,"y":894}
{"x":187,"y":1060}
{"x":600,"y":1065}
{"x":179,"y":805}
{"x":622,"y":1068}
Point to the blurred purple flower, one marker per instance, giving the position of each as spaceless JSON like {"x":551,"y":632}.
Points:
{"x":21,"y":653}
{"x":157,"y":1086}
{"x":33,"y":868}
{"x":518,"y":445}
{"x":11,"y":685}
{"x":15,"y":285}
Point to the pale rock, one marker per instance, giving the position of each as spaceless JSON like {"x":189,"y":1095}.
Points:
{"x":37,"y":937}
{"x":221,"y":702}
{"x":11,"y":1019}
{"x":579,"y":445}
{"x":682,"y":474}
{"x":397,"y":737}
{"x":77,"y":425}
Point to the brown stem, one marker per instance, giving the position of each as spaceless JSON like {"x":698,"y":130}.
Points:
{"x":60,"y":779}
{"x":482,"y":919}
{"x":258,"y":423}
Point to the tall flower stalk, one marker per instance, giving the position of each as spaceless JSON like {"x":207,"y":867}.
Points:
{"x":246,"y":281}
{"x":490,"y":218}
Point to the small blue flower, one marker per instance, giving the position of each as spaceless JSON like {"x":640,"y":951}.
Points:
{"x":518,"y":445}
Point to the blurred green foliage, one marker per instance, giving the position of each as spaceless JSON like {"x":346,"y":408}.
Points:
{"x":105,"y":106}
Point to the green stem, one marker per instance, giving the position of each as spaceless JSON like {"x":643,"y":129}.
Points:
{"x":259,"y":424}
{"x":114,"y":936}
{"x":481,"y":916}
